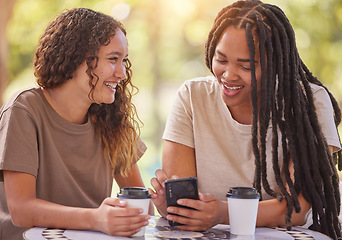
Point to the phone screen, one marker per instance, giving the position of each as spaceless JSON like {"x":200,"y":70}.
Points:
{"x":180,"y":188}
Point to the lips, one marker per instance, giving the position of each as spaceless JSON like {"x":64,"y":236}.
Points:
{"x":230,"y":90}
{"x":111,"y":85}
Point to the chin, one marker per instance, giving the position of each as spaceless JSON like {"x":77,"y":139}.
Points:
{"x":109,"y":99}
{"x":110,"y":102}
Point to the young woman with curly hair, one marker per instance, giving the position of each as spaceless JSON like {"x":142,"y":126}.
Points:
{"x":62,"y":143}
{"x":262,"y":120}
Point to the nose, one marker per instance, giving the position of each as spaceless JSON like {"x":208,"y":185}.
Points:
{"x":120,"y":72}
{"x":230,"y":73}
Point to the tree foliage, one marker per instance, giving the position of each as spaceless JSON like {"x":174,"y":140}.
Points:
{"x":166,"y":43}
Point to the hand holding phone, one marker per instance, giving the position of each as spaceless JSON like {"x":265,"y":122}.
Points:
{"x":180,"y":188}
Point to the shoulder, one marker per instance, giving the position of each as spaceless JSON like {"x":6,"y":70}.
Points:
{"x":200,"y":94}
{"x":320,"y":95}
{"x":317,"y":89}
{"x":201,"y":82}
{"x":27,"y":99}
{"x":200,"y":85}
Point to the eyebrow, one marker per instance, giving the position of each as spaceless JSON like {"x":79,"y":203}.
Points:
{"x":239,"y":59}
{"x":115,"y":53}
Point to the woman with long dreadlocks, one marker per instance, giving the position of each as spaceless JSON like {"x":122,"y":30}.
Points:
{"x":262,"y":120}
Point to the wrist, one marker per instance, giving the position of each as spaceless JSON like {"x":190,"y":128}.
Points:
{"x":90,"y":218}
{"x":224,"y":213}
{"x":162,"y":211}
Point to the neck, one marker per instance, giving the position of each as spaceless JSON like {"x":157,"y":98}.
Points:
{"x":241,"y":115}
{"x":67,"y":105}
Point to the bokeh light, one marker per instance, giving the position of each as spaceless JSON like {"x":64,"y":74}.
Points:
{"x":166,"y":46}
{"x":120,"y":11}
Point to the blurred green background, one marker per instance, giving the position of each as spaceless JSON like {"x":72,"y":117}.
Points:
{"x":166,"y":45}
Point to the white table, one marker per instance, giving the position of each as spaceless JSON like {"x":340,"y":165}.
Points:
{"x":160,"y":229}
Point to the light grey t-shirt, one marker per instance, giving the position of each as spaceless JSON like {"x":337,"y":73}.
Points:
{"x":223,"y":148}
{"x":67,"y":159}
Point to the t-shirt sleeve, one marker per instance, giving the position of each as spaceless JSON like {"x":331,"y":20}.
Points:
{"x":179,"y":125}
{"x":325,"y":114}
{"x":141,"y":149}
{"x":18,"y":141}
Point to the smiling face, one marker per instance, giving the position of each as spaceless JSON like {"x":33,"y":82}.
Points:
{"x":231,"y":66}
{"x":111,"y":68}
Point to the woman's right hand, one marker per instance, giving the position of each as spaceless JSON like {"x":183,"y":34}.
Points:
{"x":158,"y":195}
{"x":114,"y":219}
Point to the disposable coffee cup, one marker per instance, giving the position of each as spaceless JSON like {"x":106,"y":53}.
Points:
{"x":136,"y":197}
{"x":242,"y":209}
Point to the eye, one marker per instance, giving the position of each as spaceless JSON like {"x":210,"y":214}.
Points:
{"x":114,"y":59}
{"x":220,"y":60}
{"x":247,"y":68}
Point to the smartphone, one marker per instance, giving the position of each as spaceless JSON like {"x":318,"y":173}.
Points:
{"x":180,"y":188}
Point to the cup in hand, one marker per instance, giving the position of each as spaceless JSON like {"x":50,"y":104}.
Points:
{"x":242,"y":209}
{"x":136,"y":197}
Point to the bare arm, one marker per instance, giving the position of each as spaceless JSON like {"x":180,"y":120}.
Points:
{"x":270,"y":209}
{"x":173,"y":155}
{"x":133,"y":179}
{"x":180,"y":160}
{"x":28,"y":211}
{"x":271,"y":213}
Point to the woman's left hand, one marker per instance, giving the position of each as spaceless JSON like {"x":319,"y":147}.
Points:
{"x":158,"y":195}
{"x":208,"y":212}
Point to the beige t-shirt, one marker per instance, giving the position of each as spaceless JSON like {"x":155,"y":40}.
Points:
{"x":67,"y":159}
{"x":224,"y":157}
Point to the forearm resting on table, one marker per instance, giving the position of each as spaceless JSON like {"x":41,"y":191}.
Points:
{"x":271,"y":213}
{"x":27,"y":211}
{"x":36,"y":212}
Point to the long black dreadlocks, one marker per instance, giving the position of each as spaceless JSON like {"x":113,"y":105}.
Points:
{"x":286,"y":102}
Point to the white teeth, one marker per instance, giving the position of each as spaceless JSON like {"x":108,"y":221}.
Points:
{"x":111,"y":85}
{"x":232,"y":88}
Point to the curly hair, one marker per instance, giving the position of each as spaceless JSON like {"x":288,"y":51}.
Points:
{"x":286,"y":103}
{"x":76,"y":36}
